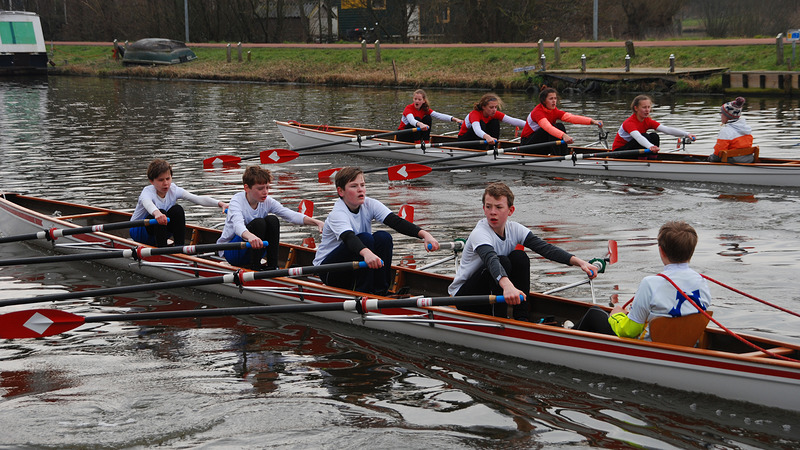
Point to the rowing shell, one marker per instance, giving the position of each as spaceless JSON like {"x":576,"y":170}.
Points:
{"x":723,"y":367}
{"x":767,"y":172}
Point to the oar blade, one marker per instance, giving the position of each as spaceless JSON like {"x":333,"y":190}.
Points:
{"x":409,"y":171}
{"x":37,"y":323}
{"x":220,"y":161}
{"x":306,"y":208}
{"x":406,"y":212}
{"x":326,"y":175}
{"x":277,"y":156}
{"x":612,"y":252}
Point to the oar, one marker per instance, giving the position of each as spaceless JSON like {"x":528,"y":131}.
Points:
{"x":138,"y":253}
{"x":39,"y":323}
{"x":55,"y":233}
{"x":282,"y":155}
{"x":238,"y":277}
{"x":399,"y":173}
{"x":327,"y":174}
{"x":411,"y":170}
{"x":230,"y":159}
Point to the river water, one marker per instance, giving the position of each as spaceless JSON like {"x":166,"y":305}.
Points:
{"x":300,"y":382}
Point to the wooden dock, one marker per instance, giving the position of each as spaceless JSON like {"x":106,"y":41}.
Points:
{"x":762,"y":82}
{"x":634,"y":74}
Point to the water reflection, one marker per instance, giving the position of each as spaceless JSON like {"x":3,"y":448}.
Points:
{"x":298,"y":379}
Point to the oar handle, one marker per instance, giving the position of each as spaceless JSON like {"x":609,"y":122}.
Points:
{"x":455,"y":245}
{"x":55,"y":233}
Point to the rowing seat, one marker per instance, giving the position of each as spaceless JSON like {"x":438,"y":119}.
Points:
{"x":730,"y":153}
{"x":685,"y":330}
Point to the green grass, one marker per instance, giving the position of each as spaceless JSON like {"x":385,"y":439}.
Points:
{"x":476,"y":67}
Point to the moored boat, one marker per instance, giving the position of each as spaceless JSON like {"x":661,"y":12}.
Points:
{"x":668,"y":166}
{"x":721,"y":365}
{"x":157,"y":51}
{"x":22,"y":49}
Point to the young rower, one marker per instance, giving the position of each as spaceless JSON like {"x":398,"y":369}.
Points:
{"x":483,"y":122}
{"x":419,"y":114}
{"x":656,"y":296}
{"x":735,"y":133}
{"x":159,"y":201}
{"x":541,"y":124}
{"x":252,"y":218}
{"x":490,"y":263}
{"x":347,"y":236}
{"x":633,"y":134}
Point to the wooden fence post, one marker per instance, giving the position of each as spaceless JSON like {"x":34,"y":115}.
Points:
{"x":779,"y":48}
{"x":364,"y":51}
{"x":228,"y":51}
{"x":378,"y":51}
{"x":629,"y":49}
{"x":541,"y":47}
{"x":239,"y":51}
{"x":557,"y":45}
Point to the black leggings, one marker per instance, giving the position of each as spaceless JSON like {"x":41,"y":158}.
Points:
{"x":518,"y":268}
{"x":540,"y":136}
{"x":596,"y":321}
{"x":492,"y":128}
{"x":417,"y":136}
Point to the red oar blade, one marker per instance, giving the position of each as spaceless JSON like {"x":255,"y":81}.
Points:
{"x":277,"y":156}
{"x":406,"y":212}
{"x":306,"y":207}
{"x":37,"y":323}
{"x":220,"y":160}
{"x":409,"y":171}
{"x":326,"y":175}
{"x":612,"y":252}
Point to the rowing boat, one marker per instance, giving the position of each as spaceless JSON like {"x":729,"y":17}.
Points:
{"x":721,"y":365}
{"x":668,"y":166}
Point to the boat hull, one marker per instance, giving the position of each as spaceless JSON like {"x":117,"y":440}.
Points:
{"x":774,"y":172}
{"x":731,"y":375}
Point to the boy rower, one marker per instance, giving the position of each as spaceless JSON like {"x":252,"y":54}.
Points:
{"x":491,"y":265}
{"x":347,"y":236}
{"x":252,"y":218}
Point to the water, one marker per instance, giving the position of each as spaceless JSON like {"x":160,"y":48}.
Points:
{"x":295,"y":381}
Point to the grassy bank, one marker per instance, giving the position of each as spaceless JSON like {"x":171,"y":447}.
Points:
{"x":480,"y":68}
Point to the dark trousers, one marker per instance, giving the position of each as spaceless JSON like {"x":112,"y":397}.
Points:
{"x":540,"y":136}
{"x":633,"y":144}
{"x":596,"y":321}
{"x":268,"y":229}
{"x":518,"y":268}
{"x":418,"y":136}
{"x":372,"y":281}
{"x":492,"y":129}
{"x":157,"y":235}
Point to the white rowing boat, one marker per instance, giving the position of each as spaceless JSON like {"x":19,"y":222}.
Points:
{"x":668,"y":166}
{"x":721,"y":365}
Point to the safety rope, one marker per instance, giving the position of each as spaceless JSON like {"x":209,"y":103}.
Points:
{"x":730,"y":332}
{"x":750,"y":296}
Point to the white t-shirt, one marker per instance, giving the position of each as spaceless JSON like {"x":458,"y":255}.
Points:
{"x":240,"y":214}
{"x":656,"y":297}
{"x":149,"y":201}
{"x":341,"y":219}
{"x":515,"y":233}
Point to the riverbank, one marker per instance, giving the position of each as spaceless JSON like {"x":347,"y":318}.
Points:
{"x":486,"y":66}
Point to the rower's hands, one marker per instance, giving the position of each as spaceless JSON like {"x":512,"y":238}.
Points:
{"x":618,"y":309}
{"x":567,"y":138}
{"x":511,"y":294}
{"x":457,"y":120}
{"x":654,"y":149}
{"x":160,"y":217}
{"x":253,"y":240}
{"x":589,"y":269}
{"x":223,"y":206}
{"x":423,"y":126}
{"x":692,"y":137}
{"x":431,"y":244}
{"x":489,"y":139}
{"x":372,"y":260}
{"x":599,"y":123}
